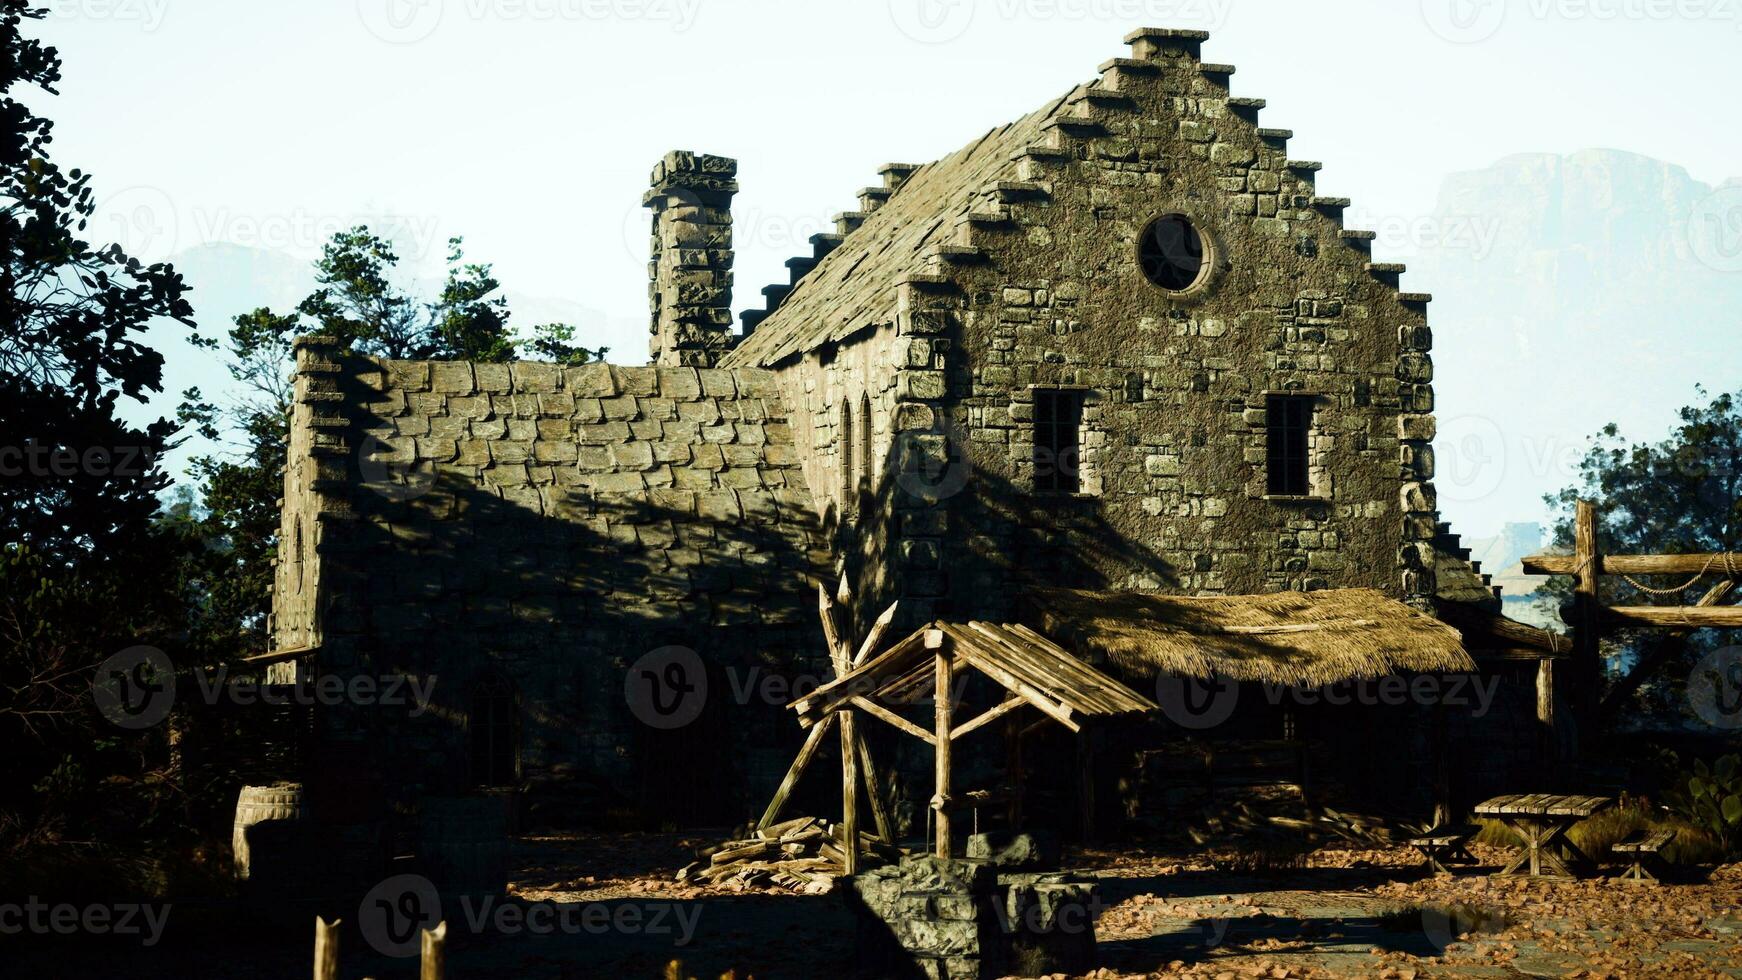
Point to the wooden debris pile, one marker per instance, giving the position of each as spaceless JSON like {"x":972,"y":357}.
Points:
{"x":805,"y":854}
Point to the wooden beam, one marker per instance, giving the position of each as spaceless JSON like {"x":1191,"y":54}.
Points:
{"x":881,"y":713}
{"x":1687,"y":617}
{"x":1667,"y":646}
{"x":879,"y":812}
{"x":875,"y":637}
{"x":812,"y":742}
{"x":1722,"y":563}
{"x":1010,"y":704}
{"x":849,"y":792}
{"x":944,"y":675}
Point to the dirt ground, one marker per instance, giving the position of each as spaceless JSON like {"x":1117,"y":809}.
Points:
{"x":1342,"y":912}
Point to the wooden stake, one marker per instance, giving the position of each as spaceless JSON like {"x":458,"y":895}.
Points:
{"x":326,"y":949}
{"x":940,"y":801}
{"x":850,"y":791}
{"x":435,"y":955}
{"x":812,"y":742}
{"x":875,"y":636}
{"x":1587,"y":611}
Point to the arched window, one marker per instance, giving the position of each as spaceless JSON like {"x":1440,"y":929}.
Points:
{"x":867,"y":458}
{"x":492,"y":725}
{"x":845,"y":457}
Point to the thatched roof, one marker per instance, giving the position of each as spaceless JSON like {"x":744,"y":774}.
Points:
{"x":1285,"y":637}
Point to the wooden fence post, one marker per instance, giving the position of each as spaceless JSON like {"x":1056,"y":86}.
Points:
{"x":434,"y":960}
{"x":1587,"y":620}
{"x":326,"y":949}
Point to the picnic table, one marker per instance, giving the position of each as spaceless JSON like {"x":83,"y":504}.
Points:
{"x":1542,"y":821}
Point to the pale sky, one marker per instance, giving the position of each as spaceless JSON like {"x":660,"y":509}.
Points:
{"x":529,"y":126}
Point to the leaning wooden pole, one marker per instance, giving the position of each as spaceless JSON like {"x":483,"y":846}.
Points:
{"x":812,"y":743}
{"x":943,"y":674}
{"x":326,"y":949}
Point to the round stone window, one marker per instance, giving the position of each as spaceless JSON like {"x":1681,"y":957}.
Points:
{"x":1172,"y":253}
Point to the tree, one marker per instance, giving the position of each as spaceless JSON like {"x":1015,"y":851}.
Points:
{"x":1680,"y":495}
{"x":78,"y":480}
{"x":234,"y":526}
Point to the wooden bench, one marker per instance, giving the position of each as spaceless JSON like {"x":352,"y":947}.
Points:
{"x":1446,"y":845}
{"x":1645,"y":849}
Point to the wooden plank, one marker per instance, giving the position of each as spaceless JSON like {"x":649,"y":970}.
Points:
{"x":433,"y":955}
{"x":989,"y":716}
{"x":1687,"y":617}
{"x":1496,"y":804}
{"x":812,"y":742}
{"x":1107,"y":694}
{"x":991,"y":667}
{"x":326,"y":949}
{"x":876,"y":634}
{"x":1063,"y":676}
{"x":831,"y":695}
{"x":881,"y":713}
{"x":1123,"y":698}
{"x":943,"y":669}
{"x":850,"y":790}
{"x":1727,"y":564}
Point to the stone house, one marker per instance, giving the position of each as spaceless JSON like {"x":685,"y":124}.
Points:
{"x":1119,"y":344}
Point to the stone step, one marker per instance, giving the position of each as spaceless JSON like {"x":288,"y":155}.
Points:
{"x":1016,"y":190}
{"x":1210,"y":68}
{"x":1068,"y":126}
{"x":1415,"y":299}
{"x":824,"y":242}
{"x":1246,"y":108}
{"x":847,"y":221}
{"x":798,"y":265}
{"x":774,"y":293}
{"x":959,"y":254}
{"x":896,"y":174}
{"x":752,"y":319}
{"x":1284,"y":135}
{"x":1331,"y":203}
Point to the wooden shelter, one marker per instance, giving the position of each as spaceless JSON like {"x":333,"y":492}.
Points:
{"x":1034,"y":672}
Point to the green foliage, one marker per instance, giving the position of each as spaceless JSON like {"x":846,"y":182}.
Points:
{"x":1710,"y":797}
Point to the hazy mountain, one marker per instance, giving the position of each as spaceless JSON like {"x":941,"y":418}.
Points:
{"x":1569,"y":292}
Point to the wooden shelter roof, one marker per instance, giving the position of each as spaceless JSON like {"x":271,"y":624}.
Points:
{"x":1023,"y":662}
{"x":1285,"y":637}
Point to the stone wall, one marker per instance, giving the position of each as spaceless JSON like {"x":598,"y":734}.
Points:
{"x":1173,"y":434}
{"x":548,"y":527}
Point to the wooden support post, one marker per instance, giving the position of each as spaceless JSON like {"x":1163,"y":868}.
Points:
{"x":812,"y":742}
{"x":849,"y":792}
{"x":940,"y":801}
{"x":1013,"y":744}
{"x":1545,"y":709}
{"x":434,"y":962}
{"x":1587,"y":615}
{"x":1086,"y":777}
{"x":326,"y":949}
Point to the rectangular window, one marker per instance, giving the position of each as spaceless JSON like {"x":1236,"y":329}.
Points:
{"x":1058,"y":416}
{"x":1288,"y":426}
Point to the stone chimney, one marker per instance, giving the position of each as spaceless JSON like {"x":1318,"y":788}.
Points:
{"x":691,"y":265}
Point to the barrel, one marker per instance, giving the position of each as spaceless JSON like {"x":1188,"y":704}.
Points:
{"x":463,"y":844}
{"x":259,"y":804}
